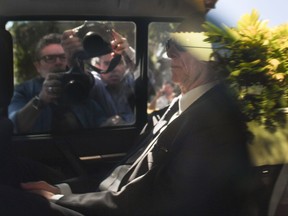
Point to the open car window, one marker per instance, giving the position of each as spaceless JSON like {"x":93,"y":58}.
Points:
{"x":161,"y":90}
{"x":97,"y":84}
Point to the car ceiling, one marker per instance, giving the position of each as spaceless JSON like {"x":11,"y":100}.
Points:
{"x":137,"y":8}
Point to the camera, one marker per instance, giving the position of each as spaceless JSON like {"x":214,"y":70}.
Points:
{"x":76,"y":85}
{"x":96,"y":41}
{"x":96,"y":38}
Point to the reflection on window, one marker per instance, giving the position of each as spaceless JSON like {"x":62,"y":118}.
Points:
{"x":161,"y":88}
{"x":72,"y":75}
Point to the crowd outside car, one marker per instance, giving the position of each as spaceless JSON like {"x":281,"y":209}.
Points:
{"x":39,"y":104}
{"x":163,"y":97}
{"x":194,"y":160}
{"x":114,"y":90}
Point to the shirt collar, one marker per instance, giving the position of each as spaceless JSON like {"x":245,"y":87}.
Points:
{"x":185,"y":100}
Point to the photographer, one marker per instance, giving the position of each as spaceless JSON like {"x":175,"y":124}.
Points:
{"x":39,"y":104}
{"x":114,"y":89}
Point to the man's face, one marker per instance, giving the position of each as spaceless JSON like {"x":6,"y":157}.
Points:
{"x":115,"y":76}
{"x":183,"y":65}
{"x":52,"y":59}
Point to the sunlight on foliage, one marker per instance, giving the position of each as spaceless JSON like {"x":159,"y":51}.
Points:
{"x":268,"y":147}
{"x":253,"y":59}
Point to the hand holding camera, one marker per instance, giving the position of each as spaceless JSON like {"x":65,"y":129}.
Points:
{"x":92,"y":39}
{"x":119,"y":44}
{"x":71,"y":44}
{"x":51,"y":89}
{"x":93,"y":42}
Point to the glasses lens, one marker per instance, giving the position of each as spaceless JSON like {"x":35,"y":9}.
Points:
{"x":171,"y":42}
{"x":52,"y":58}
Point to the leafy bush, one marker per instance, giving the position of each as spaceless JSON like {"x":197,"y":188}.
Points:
{"x":255,"y":63}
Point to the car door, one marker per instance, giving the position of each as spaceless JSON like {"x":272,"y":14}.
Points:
{"x":84,"y":150}
{"x":89,"y":150}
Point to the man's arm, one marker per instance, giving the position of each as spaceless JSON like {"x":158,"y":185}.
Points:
{"x":72,"y":44}
{"x":27,"y":115}
{"x":121,"y":46}
{"x":24,"y":111}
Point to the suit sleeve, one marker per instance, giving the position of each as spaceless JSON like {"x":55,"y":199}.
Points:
{"x":200,"y":179}
{"x":133,"y":199}
{"x":206,"y":175}
{"x":204,"y":172}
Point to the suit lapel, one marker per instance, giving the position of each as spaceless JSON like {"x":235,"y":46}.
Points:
{"x":173,"y":135}
{"x":161,"y":146}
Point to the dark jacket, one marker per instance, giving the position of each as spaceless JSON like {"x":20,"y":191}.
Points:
{"x":200,"y":166}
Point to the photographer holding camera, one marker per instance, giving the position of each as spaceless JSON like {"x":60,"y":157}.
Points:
{"x":112,"y":68}
{"x":41,"y":104}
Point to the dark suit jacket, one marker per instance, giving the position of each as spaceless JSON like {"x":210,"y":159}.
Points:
{"x":200,"y":166}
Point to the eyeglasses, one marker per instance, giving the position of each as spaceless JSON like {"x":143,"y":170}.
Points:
{"x":53,"y":58}
{"x":171,"y":42}
{"x":181,"y":48}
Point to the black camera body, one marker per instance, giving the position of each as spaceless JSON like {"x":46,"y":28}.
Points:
{"x":76,"y":85}
{"x":96,"y":38}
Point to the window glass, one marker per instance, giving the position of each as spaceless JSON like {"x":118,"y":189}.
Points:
{"x":161,"y":88}
{"x":72,"y":75}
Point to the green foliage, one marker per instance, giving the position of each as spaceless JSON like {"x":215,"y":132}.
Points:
{"x":254,"y":59}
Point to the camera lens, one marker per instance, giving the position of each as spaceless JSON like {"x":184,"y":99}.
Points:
{"x":76,"y":86}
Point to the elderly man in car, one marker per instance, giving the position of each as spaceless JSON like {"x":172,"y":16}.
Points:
{"x":193,"y":161}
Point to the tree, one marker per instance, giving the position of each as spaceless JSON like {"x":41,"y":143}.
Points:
{"x":254,"y":61}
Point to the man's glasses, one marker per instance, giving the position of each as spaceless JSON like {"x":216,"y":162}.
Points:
{"x":171,"y":42}
{"x":53,"y":58}
{"x":181,"y":48}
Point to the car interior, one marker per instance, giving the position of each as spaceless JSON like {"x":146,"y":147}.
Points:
{"x":146,"y":26}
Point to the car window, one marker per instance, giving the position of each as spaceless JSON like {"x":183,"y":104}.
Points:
{"x":161,"y":89}
{"x":93,"y":86}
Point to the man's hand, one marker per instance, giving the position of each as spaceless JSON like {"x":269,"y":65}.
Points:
{"x":51,"y":89}
{"x":71,"y":44}
{"x":119,"y":44}
{"x":42,"y":188}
